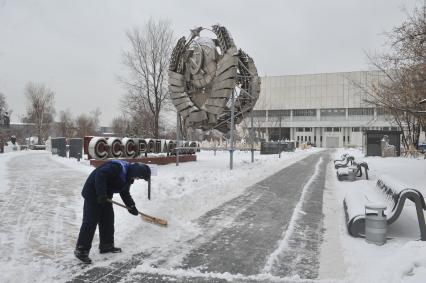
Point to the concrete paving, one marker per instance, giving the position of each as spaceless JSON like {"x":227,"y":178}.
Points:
{"x":40,"y":195}
{"x":272,"y":232}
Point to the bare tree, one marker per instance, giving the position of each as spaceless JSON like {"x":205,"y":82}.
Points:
{"x":85,"y":125}
{"x":404,"y":72}
{"x":3,"y":104}
{"x":94,"y":115}
{"x":121,"y":126}
{"x":259,"y":119}
{"x":4,"y":119}
{"x":147,"y":64}
{"x":40,"y":108}
{"x":66,"y":125}
{"x":141,"y":120}
{"x":4,"y":111}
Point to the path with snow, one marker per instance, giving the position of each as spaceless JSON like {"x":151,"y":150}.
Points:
{"x":39,"y":194}
{"x":270,"y":232}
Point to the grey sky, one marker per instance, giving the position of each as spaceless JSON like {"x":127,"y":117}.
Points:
{"x":74,"y":46}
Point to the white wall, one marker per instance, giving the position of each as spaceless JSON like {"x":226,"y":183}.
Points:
{"x":327,"y":90}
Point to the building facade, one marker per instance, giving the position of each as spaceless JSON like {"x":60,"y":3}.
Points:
{"x":326,"y":109}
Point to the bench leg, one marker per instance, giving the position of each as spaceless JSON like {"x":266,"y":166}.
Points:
{"x":421,"y":218}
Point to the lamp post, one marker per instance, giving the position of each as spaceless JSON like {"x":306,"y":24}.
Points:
{"x":279,"y":140}
{"x":177,"y":137}
{"x":252,"y":136}
{"x":231,"y":146}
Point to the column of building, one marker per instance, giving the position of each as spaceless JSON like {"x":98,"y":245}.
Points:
{"x":267,"y":127}
{"x":318,"y":131}
{"x":292,"y":129}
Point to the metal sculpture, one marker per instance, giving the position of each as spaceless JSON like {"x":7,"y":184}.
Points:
{"x":204,"y":75}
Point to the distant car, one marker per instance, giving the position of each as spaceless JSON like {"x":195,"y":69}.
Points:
{"x":421,"y":147}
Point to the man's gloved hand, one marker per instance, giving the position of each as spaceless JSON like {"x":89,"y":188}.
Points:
{"x":102,"y":199}
{"x":132,"y":210}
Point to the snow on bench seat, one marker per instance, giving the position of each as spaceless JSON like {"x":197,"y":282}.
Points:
{"x":390,"y":184}
{"x":351,"y":173}
{"x":389,"y":191}
{"x":345,"y":170}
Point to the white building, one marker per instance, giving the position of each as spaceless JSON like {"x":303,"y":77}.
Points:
{"x":327,"y":109}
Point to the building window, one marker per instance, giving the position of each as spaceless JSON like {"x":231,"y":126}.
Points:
{"x":299,"y":129}
{"x":336,"y":129}
{"x":348,"y":139}
{"x":394,"y":128}
{"x":361,"y":111}
{"x":320,"y":138}
{"x":304,"y":112}
{"x":356,"y":129}
{"x":333,"y":112}
{"x":259,"y":113}
{"x":315,"y":138}
{"x":343,"y":138}
{"x":297,"y":138}
{"x":385,"y":128}
{"x":309,"y":138}
{"x":383,"y":112}
{"x":328,"y":129}
{"x":308,"y":129}
{"x":279,"y":113}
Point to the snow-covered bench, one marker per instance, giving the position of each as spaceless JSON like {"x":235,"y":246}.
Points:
{"x":340,"y":164}
{"x":388,"y":191}
{"x":343,"y":158}
{"x":352,"y":172}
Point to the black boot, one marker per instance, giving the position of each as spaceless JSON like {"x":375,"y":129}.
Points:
{"x":82,"y":255}
{"x":109,"y":248}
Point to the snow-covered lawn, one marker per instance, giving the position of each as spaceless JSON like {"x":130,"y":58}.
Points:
{"x":403,"y":257}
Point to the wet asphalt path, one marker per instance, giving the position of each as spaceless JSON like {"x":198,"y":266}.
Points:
{"x":274,"y":228}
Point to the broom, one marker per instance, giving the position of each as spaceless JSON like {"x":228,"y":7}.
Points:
{"x":146,"y":217}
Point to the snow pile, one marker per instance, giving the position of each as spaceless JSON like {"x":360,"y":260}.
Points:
{"x":10,"y":147}
{"x":392,"y":183}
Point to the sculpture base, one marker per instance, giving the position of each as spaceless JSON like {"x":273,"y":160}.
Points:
{"x":160,"y":160}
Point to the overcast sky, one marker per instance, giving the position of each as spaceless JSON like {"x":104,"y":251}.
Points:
{"x":74,"y":47}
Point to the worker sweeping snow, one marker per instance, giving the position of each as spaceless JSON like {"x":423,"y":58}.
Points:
{"x":114,"y":176}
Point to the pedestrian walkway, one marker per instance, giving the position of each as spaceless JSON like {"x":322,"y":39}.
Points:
{"x":272,"y":231}
{"x":37,"y":222}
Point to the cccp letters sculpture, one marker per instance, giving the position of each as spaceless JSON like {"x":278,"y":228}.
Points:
{"x":203,"y":74}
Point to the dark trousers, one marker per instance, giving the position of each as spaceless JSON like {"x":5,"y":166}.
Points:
{"x":94,"y":214}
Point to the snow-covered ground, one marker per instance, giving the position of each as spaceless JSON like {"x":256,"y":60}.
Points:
{"x":180,"y":194}
{"x":402,"y":258}
{"x":183,"y":193}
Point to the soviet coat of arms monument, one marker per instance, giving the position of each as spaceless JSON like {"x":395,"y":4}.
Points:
{"x":205,"y":74}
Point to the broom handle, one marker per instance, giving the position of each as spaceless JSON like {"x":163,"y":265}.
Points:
{"x":122,"y":205}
